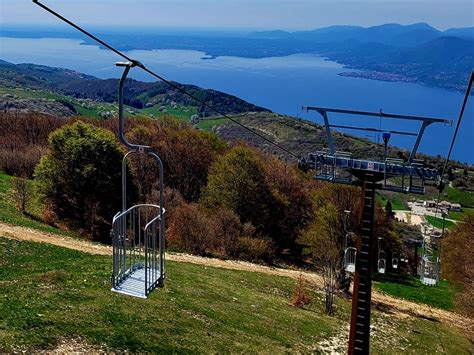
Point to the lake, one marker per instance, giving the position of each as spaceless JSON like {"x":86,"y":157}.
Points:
{"x":281,"y":84}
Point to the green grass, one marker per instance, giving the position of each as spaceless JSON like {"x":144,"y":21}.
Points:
{"x":438,"y":222}
{"x":458,"y":216}
{"x":209,"y":124}
{"x":182,"y":112}
{"x":9,"y":214}
{"x":24,"y":93}
{"x":465,"y":198}
{"x":410,"y":288}
{"x":49,"y":293}
{"x":397,"y":203}
{"x":83,"y":111}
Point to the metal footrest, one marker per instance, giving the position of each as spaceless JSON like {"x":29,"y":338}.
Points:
{"x":429,"y":281}
{"x":134,"y":283}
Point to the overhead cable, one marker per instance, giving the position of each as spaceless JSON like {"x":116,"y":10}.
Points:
{"x":166,"y":81}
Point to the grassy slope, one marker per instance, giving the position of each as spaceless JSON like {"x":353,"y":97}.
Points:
{"x":411,"y":289}
{"x":9,"y":214}
{"x":458,"y":216}
{"x":465,"y":198}
{"x":209,"y":123}
{"x":438,"y":222}
{"x":182,"y":112}
{"x":397,"y":203}
{"x":50,"y":292}
{"x":398,"y":288}
{"x":95,"y":108}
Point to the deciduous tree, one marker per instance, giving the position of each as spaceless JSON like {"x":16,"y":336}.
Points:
{"x":237,"y":182}
{"x":321,"y":244}
{"x":80,"y":178}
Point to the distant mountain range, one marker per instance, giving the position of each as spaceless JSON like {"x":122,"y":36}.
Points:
{"x":416,"y":53}
{"x":391,"y":34}
{"x":413,"y":53}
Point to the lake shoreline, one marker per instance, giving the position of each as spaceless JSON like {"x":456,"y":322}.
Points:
{"x":281,"y":84}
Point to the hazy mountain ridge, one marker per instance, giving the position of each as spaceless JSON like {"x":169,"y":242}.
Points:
{"x":390,"y":34}
{"x":416,"y":53}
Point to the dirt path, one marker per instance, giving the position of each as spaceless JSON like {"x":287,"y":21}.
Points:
{"x":384,"y":303}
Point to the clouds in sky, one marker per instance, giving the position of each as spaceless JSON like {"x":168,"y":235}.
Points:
{"x":252,"y":14}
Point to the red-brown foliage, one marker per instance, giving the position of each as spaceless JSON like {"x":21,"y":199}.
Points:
{"x":300,"y":296}
{"x":458,"y":263}
{"x":195,"y":229}
{"x":293,"y":205}
{"x":185,"y":152}
{"x":191,"y":230}
{"x":24,"y":139}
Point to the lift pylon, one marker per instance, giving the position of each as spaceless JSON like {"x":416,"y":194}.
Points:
{"x":340,"y":167}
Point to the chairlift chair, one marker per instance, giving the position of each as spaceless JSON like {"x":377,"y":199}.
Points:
{"x":381,"y":263}
{"x":430,"y":272}
{"x":381,"y":266}
{"x":350,"y":255}
{"x":138,"y":238}
{"x":394,"y":262}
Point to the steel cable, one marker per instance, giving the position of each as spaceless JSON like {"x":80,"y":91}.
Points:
{"x":166,"y":81}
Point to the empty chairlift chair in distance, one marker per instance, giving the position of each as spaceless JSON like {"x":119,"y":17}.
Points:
{"x":430,"y":262}
{"x":138,"y":231}
{"x":394,"y":262}
{"x":350,"y":254}
{"x":429,"y":272}
{"x":381,"y":262}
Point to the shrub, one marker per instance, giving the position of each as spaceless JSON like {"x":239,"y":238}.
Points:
{"x":218,"y":233}
{"x":255,"y":249}
{"x":228,"y":229}
{"x":21,"y":162}
{"x":172,"y":201}
{"x":80,"y":178}
{"x":190,"y":229}
{"x":300,"y":296}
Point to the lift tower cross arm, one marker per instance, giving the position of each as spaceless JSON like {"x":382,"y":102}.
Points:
{"x":426,"y":121}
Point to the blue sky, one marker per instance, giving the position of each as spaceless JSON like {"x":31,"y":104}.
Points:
{"x":251,"y":14}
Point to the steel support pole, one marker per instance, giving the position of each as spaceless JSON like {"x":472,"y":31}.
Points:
{"x":418,"y":140}
{"x":332,"y":150}
{"x":359,"y":337}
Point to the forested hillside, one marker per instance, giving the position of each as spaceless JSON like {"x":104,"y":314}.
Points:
{"x":138,"y":94}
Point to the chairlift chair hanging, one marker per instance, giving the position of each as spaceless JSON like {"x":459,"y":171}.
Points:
{"x":381,"y":262}
{"x":394,"y":262}
{"x":350,"y":252}
{"x":350,"y":255}
{"x":138,"y":232}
